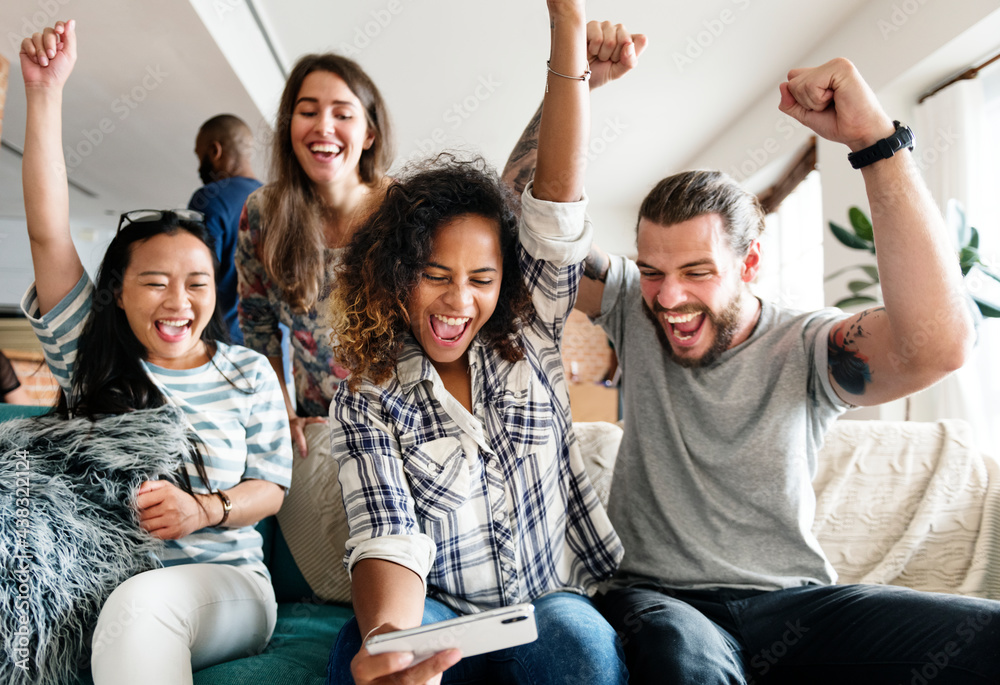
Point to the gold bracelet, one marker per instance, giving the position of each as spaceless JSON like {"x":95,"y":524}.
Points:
{"x":548,"y":66}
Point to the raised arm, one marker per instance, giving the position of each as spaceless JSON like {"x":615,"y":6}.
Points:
{"x":611,"y":52}
{"x":47,"y":59}
{"x":564,"y":127}
{"x":925,"y":329}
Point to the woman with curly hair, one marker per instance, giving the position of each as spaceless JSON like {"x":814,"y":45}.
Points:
{"x":464,"y":487}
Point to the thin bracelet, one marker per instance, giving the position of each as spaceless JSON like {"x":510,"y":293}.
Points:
{"x":548,"y":65}
{"x":370,"y":633}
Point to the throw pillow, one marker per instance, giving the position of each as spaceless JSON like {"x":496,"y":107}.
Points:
{"x":313,"y":520}
{"x":68,"y":532}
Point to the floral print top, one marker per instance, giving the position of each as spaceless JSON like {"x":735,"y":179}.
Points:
{"x":262,"y":307}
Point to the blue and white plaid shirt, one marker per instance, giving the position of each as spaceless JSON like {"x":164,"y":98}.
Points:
{"x":492,"y":507}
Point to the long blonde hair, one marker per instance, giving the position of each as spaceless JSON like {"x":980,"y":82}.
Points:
{"x":292,"y":239}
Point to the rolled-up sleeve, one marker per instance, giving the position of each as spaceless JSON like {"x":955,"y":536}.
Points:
{"x":377,"y":498}
{"x":557,"y":232}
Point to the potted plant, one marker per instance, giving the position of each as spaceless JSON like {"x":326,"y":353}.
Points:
{"x":982,"y":279}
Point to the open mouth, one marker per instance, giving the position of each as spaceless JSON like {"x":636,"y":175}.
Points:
{"x":325,"y":152}
{"x":684,"y":329}
{"x":449,"y":330}
{"x":173,"y":330}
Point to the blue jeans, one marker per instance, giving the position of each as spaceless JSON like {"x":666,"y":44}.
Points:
{"x":575,"y":646}
{"x":855,"y":634}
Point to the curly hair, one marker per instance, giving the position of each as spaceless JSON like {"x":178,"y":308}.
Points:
{"x":384,"y":261}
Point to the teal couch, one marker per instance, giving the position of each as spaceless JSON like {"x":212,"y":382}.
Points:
{"x":306,"y":628}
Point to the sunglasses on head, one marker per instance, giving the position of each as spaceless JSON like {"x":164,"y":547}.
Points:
{"x":139,"y":216}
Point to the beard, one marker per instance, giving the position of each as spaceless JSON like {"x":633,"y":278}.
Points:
{"x":206,"y":171}
{"x":724,"y":323}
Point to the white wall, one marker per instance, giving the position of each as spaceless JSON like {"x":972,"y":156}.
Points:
{"x":16,"y":272}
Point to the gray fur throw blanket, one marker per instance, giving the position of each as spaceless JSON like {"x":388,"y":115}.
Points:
{"x":68,"y":532}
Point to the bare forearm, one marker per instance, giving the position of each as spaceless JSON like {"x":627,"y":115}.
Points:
{"x":386,"y":596}
{"x":921,"y":280}
{"x":252,"y":501}
{"x":565,"y":121}
{"x":18,"y":395}
{"x":46,"y":198}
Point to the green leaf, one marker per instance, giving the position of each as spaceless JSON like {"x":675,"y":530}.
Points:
{"x":857,"y":299}
{"x":872,"y":272}
{"x":849,"y":239}
{"x":988,"y":311}
{"x":857,"y":286}
{"x":861,"y":224}
{"x":974,"y":240}
{"x":968,"y":256}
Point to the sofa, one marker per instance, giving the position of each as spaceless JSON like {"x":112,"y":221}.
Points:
{"x":903,"y":503}
{"x":306,"y":628}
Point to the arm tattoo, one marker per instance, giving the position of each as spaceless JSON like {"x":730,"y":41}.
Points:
{"x":596,"y":265}
{"x":847,"y":365}
{"x":521,"y":163}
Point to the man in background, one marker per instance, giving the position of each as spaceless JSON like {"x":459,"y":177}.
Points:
{"x":224,"y":147}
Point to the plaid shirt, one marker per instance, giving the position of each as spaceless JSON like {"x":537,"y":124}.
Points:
{"x":492,"y":507}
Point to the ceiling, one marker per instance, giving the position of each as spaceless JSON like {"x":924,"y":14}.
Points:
{"x":470,"y":71}
{"x":465,"y":73}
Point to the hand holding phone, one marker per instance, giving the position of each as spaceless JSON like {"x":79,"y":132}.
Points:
{"x":473,"y":634}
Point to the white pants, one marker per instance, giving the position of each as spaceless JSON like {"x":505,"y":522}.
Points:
{"x":159,"y":626}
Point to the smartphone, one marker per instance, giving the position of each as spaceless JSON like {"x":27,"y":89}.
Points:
{"x":473,"y":634}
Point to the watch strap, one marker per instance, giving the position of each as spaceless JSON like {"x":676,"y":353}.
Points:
{"x":884,"y":149}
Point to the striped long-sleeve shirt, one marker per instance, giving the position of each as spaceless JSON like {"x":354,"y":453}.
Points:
{"x":243,"y":430}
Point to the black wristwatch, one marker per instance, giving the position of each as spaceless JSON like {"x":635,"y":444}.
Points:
{"x":883,"y":149}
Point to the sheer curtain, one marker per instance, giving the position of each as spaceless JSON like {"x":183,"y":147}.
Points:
{"x":958,"y":162}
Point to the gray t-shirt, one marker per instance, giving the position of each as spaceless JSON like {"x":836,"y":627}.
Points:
{"x":713,"y":483}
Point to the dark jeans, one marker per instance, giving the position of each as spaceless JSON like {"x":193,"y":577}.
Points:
{"x":842,"y":634}
{"x":575,"y":646}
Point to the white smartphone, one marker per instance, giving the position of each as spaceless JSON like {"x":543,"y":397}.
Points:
{"x":473,"y":634}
